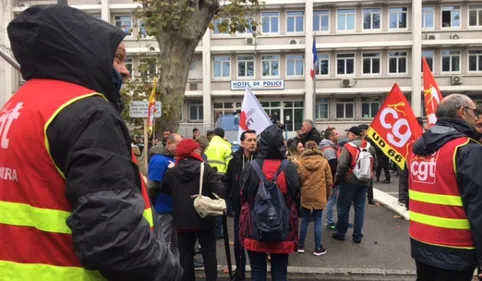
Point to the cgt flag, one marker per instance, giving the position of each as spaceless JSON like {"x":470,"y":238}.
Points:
{"x":151,"y":110}
{"x":431,"y":93}
{"x":395,"y":127}
{"x":253,"y":116}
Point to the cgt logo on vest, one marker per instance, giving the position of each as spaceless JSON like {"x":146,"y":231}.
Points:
{"x":6,"y":118}
{"x":422,"y":169}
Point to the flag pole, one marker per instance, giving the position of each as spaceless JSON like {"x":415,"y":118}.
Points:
{"x":314,"y":83}
{"x":154,"y":125}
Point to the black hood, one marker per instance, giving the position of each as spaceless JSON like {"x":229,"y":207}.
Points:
{"x":62,"y":43}
{"x":445,"y":130}
{"x":189,"y":169}
{"x":271,"y":144}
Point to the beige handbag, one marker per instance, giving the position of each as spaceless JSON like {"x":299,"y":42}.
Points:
{"x":206,"y":206}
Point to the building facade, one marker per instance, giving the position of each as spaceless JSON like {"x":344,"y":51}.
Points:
{"x":363,"y":47}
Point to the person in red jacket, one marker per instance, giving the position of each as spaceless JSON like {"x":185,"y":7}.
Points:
{"x":272,"y":151}
{"x":77,"y":208}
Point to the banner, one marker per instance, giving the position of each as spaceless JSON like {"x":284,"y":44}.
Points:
{"x":253,"y":116}
{"x":395,"y":127}
{"x":431,"y":93}
{"x":152,"y":107}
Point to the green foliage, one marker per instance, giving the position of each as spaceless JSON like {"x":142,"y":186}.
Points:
{"x":178,"y":25}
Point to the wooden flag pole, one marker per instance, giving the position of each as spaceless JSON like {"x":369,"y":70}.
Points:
{"x":146,"y":144}
{"x":154,"y":125}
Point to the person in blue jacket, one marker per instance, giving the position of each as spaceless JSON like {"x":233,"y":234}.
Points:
{"x":161,"y":158}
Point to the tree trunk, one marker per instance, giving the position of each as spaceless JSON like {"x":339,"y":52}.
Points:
{"x":176,"y":50}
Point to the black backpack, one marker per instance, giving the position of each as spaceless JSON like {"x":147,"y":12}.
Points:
{"x":270,"y":214}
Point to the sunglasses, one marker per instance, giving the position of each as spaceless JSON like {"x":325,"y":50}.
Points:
{"x":476,"y":111}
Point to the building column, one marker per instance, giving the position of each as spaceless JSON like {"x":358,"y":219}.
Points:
{"x":105,"y":10}
{"x":206,"y":68}
{"x":416,"y":57}
{"x":309,"y":100}
{"x":7,"y":73}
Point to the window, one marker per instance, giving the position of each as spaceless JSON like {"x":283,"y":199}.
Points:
{"x":129,"y":65}
{"x":428,"y":17}
{"x":345,"y":108}
{"x":192,"y":66}
{"x":371,"y":63}
{"x":196,"y":112}
{"x":270,"y":22}
{"x":225,"y":108}
{"x":273,"y":108}
{"x":124,"y":23}
{"x":397,"y":62}
{"x":321,"y":20}
{"x":450,"y":16}
{"x":370,"y":107}
{"x":295,"y":64}
{"x":475,"y":60}
{"x":148,"y":67}
{"x":398,"y":18}
{"x":450,"y":61}
{"x":221,"y":66}
{"x":248,"y":29}
{"x":246,"y":66}
{"x":293,"y":114}
{"x":345,"y":64}
{"x":429,"y":58}
{"x":270,"y":66}
{"x":322,"y":106}
{"x":295,"y":21}
{"x":371,"y":19}
{"x":475,"y":15}
{"x":323,"y":64}
{"x":219,"y":28}
{"x":345,"y":19}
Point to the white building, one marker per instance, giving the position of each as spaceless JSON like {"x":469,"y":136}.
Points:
{"x":363,"y":48}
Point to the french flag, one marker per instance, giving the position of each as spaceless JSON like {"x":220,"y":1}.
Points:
{"x":315,"y":59}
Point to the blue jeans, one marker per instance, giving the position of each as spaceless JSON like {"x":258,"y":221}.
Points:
{"x":330,"y":206}
{"x":239,"y":252}
{"x":317,"y":218}
{"x":349,"y":193}
{"x":279,"y":266}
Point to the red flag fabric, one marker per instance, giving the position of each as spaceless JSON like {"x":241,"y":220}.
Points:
{"x":431,"y":93}
{"x":395,"y":127}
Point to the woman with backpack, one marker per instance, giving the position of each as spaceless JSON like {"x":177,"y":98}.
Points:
{"x":182,"y":182}
{"x":315,"y":182}
{"x":269,"y":182}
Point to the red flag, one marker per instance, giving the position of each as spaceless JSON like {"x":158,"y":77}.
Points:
{"x":395,"y":127}
{"x":431,"y":93}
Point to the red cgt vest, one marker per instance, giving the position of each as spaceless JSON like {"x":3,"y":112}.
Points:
{"x":35,"y":241}
{"x":437,"y":215}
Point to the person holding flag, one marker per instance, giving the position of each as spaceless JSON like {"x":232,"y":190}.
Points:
{"x":446,"y":194}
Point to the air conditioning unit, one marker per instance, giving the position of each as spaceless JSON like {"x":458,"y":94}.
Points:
{"x":192,"y":86}
{"x":294,"y":41}
{"x":456,"y":80}
{"x":250,"y":41}
{"x":347,"y":83}
{"x":454,"y":36}
{"x":433,"y":36}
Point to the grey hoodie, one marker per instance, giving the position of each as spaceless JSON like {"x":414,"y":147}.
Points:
{"x":328,"y":153}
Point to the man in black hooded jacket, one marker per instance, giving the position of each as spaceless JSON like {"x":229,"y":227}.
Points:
{"x":446,"y":220}
{"x":90,"y":146}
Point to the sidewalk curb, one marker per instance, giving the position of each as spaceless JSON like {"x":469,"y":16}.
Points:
{"x":337,"y":271}
{"x":391,"y":202}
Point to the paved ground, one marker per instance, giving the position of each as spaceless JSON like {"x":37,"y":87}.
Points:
{"x":390,"y":188}
{"x":384,"y":246}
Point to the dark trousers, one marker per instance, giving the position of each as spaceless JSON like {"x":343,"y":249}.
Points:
{"x":383,"y":164}
{"x":351,"y":193}
{"x":207,"y":240}
{"x":239,"y":252}
{"x":403,"y":186}
{"x":429,"y":273}
{"x":370,"y":192}
{"x":279,"y":266}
